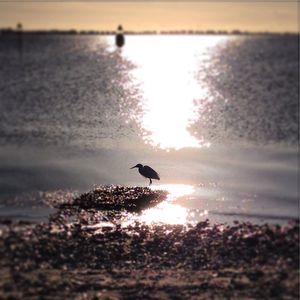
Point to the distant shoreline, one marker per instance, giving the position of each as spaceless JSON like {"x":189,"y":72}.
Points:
{"x":9,"y":31}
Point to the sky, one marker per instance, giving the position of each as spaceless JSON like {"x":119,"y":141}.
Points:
{"x":256,"y":15}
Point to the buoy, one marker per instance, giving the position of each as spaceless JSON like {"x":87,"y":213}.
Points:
{"x":120,"y":39}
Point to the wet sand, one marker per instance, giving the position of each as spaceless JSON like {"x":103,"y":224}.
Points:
{"x":85,"y":251}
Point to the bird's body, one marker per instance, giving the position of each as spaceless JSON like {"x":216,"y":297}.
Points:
{"x":147,"y":172}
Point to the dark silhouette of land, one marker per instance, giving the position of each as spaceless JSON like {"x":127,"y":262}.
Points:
{"x":11,"y":31}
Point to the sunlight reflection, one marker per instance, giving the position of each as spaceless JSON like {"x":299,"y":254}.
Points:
{"x":168,"y":212}
{"x":167,"y":79}
{"x":165,"y":213}
{"x":175,"y":190}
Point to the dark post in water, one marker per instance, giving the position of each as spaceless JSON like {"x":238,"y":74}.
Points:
{"x":120,"y":39}
{"x":20,"y":39}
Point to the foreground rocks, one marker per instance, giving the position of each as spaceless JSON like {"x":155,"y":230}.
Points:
{"x":116,"y":198}
{"x":80,"y":254}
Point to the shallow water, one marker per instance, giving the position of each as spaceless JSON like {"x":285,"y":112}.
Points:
{"x":216,"y":116}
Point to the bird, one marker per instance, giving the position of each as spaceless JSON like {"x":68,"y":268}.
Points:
{"x":147,"y":172}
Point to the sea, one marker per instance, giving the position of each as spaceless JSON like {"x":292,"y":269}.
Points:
{"x":217,"y":116}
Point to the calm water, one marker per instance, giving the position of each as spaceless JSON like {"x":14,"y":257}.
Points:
{"x":216,"y":116}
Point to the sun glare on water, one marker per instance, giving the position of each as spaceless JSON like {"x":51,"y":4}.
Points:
{"x":167,"y":79}
{"x":167,"y":212}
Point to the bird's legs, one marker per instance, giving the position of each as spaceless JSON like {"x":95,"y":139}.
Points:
{"x":150,"y":182}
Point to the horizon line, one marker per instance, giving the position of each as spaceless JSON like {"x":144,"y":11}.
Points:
{"x":152,"y":31}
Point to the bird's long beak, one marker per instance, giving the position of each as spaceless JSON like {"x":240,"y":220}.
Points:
{"x":133,"y":167}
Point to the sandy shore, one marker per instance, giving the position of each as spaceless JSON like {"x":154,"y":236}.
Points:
{"x":73,"y":257}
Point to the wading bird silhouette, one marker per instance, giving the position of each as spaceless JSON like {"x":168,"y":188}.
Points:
{"x":147,"y":172}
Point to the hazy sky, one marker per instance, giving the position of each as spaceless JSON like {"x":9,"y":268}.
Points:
{"x":253,"y":15}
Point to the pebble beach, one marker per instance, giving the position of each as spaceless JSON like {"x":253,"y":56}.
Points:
{"x":86,"y":251}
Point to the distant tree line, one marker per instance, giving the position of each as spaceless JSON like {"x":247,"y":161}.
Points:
{"x":11,"y":31}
